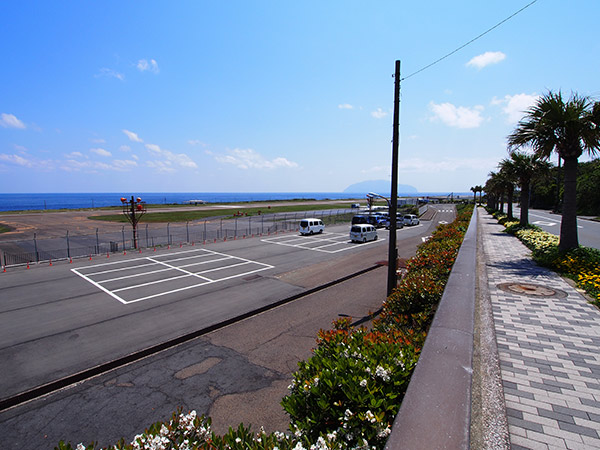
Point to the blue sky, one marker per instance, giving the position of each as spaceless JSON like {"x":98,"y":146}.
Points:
{"x":272,"y":96}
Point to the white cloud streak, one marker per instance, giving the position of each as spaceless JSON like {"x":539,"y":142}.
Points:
{"x":177,"y":159}
{"x":514,"y":106}
{"x":345,"y":106}
{"x":15,"y":159}
{"x":457,"y":116}
{"x":101,"y":152}
{"x":144,"y":65}
{"x":10,"y":121}
{"x":250,"y":159}
{"x":379,"y":113}
{"x":132,"y":136}
{"x":486,"y":59}
{"x":110,"y":73}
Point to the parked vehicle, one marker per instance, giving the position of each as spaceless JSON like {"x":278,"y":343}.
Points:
{"x":355,"y":205}
{"x":363,"y":232}
{"x":311,"y":226}
{"x":377,"y":220}
{"x":399,"y":222}
{"x":410,"y":219}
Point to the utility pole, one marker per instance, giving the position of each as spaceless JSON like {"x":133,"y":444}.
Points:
{"x":393,"y":251}
{"x":133,"y":209}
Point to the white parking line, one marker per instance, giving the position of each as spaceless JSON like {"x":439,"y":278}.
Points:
{"x":336,"y":239}
{"x":103,"y":284}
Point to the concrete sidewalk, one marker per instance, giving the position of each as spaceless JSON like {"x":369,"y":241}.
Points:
{"x":548,"y":339}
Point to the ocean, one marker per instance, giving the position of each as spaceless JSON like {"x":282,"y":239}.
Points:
{"x":21,"y":202}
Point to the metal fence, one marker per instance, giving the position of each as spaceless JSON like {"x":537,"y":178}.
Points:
{"x":34,"y":250}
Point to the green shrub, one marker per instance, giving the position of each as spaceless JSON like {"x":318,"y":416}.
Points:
{"x":351,"y":388}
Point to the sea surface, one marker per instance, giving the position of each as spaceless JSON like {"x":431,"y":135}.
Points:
{"x":20,"y":202}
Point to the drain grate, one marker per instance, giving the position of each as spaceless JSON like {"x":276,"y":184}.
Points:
{"x":533,"y":290}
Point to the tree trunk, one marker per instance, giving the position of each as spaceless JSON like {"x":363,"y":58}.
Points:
{"x":524,"y":219}
{"x":509,"y":202}
{"x":568,"y":225}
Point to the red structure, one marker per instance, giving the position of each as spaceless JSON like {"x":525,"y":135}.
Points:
{"x":134,"y":209}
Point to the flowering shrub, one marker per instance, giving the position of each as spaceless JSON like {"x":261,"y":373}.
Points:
{"x":581,"y":264}
{"x":351,"y":388}
{"x":411,"y":306}
{"x":537,"y":240}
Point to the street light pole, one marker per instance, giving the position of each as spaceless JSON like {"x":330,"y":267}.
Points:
{"x":393,"y":251}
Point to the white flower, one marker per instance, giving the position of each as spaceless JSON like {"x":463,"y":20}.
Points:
{"x":385,"y":432}
{"x":347,"y":415}
{"x":363,"y":383}
{"x":370,"y":417}
{"x":382,"y":373}
{"x":332,"y":436}
{"x":238,"y":440}
{"x":80,"y":446}
{"x":299,"y":446}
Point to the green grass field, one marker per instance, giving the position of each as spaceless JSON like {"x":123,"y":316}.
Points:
{"x":189,"y":216}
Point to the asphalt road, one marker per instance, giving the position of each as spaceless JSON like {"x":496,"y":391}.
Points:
{"x":588,"y":231}
{"x":62,"y":319}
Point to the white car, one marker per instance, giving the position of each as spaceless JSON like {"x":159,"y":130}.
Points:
{"x":410,"y":219}
{"x":363,"y":232}
{"x":311,"y":226}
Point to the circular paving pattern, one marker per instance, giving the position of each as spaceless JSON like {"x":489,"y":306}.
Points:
{"x":534,"y":290}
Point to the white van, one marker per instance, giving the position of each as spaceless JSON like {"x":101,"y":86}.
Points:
{"x":311,"y":226}
{"x":411,"y":219}
{"x":362,"y":232}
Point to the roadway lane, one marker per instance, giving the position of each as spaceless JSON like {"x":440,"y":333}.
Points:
{"x":588,"y":230}
{"x":59,"y":320}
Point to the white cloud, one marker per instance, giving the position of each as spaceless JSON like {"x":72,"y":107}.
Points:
{"x":75,"y":155}
{"x":125,"y":148}
{"x":136,"y":157}
{"x":377,"y":169}
{"x":144,"y":65}
{"x":345,"y":106}
{"x":178,"y":159}
{"x":514,"y":106}
{"x":15,"y":159}
{"x":196,"y":142}
{"x":445,"y":165}
{"x":379,"y":113}
{"x":161,"y":166}
{"x":124,"y":164}
{"x":486,"y":59}
{"x":98,"y":141}
{"x":10,"y":121}
{"x":459,"y":117}
{"x":100,"y":152}
{"x":249,"y":159}
{"x":110,"y":73}
{"x":132,"y":136}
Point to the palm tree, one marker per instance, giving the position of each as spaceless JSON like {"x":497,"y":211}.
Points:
{"x":569,"y":129}
{"x":523,"y":168}
{"x":509,"y":177}
{"x":474,"y":191}
{"x":479,"y":189}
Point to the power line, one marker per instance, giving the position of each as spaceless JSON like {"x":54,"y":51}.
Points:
{"x":470,"y":42}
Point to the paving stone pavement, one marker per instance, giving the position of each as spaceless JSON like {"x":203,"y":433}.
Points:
{"x":548,"y":339}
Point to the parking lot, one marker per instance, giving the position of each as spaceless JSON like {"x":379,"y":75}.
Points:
{"x":326,"y":242}
{"x":144,"y":278}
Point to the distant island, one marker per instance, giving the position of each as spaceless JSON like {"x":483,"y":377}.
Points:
{"x":381,"y":187}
